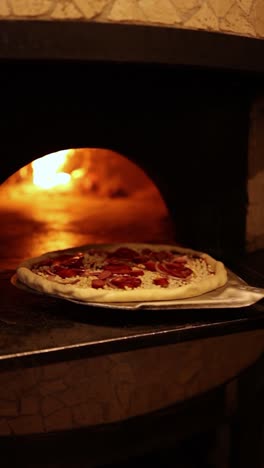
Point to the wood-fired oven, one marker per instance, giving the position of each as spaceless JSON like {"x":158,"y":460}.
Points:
{"x":176,"y":104}
{"x":185,"y":125}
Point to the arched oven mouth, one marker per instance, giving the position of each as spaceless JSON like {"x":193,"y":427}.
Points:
{"x":76,"y":197}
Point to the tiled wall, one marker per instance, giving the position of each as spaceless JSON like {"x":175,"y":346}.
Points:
{"x":242,"y":17}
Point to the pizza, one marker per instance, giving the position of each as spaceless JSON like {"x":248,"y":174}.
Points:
{"x":123,"y":273}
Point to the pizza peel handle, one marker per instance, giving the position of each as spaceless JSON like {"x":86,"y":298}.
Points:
{"x":252,"y":289}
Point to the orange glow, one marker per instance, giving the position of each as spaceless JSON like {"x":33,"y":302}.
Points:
{"x":76,"y":197}
{"x":47,"y":170}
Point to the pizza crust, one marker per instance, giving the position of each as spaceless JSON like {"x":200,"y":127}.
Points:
{"x":153,"y":293}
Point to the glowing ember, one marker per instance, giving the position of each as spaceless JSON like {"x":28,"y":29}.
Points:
{"x":46,"y":170}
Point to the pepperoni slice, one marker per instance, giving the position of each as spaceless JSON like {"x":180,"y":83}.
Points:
{"x":66,"y":261}
{"x":172,"y":266}
{"x":164,"y":282}
{"x":161,"y":268}
{"x":136,"y":273}
{"x":104,"y":274}
{"x":180,"y":259}
{"x":179,"y":271}
{"x":150,"y":265}
{"x":183,"y":273}
{"x":124,"y":252}
{"x":75,"y":261}
{"x":163,"y":255}
{"x":120,"y":269}
{"x":160,"y":256}
{"x":98,"y":283}
{"x":66,"y":272}
{"x":141,"y":259}
{"x":115,"y":261}
{"x":122,"y":281}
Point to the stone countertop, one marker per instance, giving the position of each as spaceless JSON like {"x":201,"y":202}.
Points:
{"x":47,"y":329}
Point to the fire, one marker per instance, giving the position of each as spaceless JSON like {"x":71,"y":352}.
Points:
{"x":47,"y":173}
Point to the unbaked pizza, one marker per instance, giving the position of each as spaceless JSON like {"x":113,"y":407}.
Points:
{"x":123,"y":273}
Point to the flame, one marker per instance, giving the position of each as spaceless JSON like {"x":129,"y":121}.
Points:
{"x":46,"y":170}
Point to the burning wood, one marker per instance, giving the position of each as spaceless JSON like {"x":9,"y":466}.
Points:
{"x":46,"y":170}
{"x":97,"y":172}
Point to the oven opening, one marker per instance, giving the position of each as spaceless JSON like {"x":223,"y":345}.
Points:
{"x":186,"y":128}
{"x":79,"y":196}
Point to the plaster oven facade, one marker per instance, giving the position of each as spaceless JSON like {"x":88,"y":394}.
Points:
{"x":243,"y":17}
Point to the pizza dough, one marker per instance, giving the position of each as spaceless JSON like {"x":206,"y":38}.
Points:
{"x":123,"y":273}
